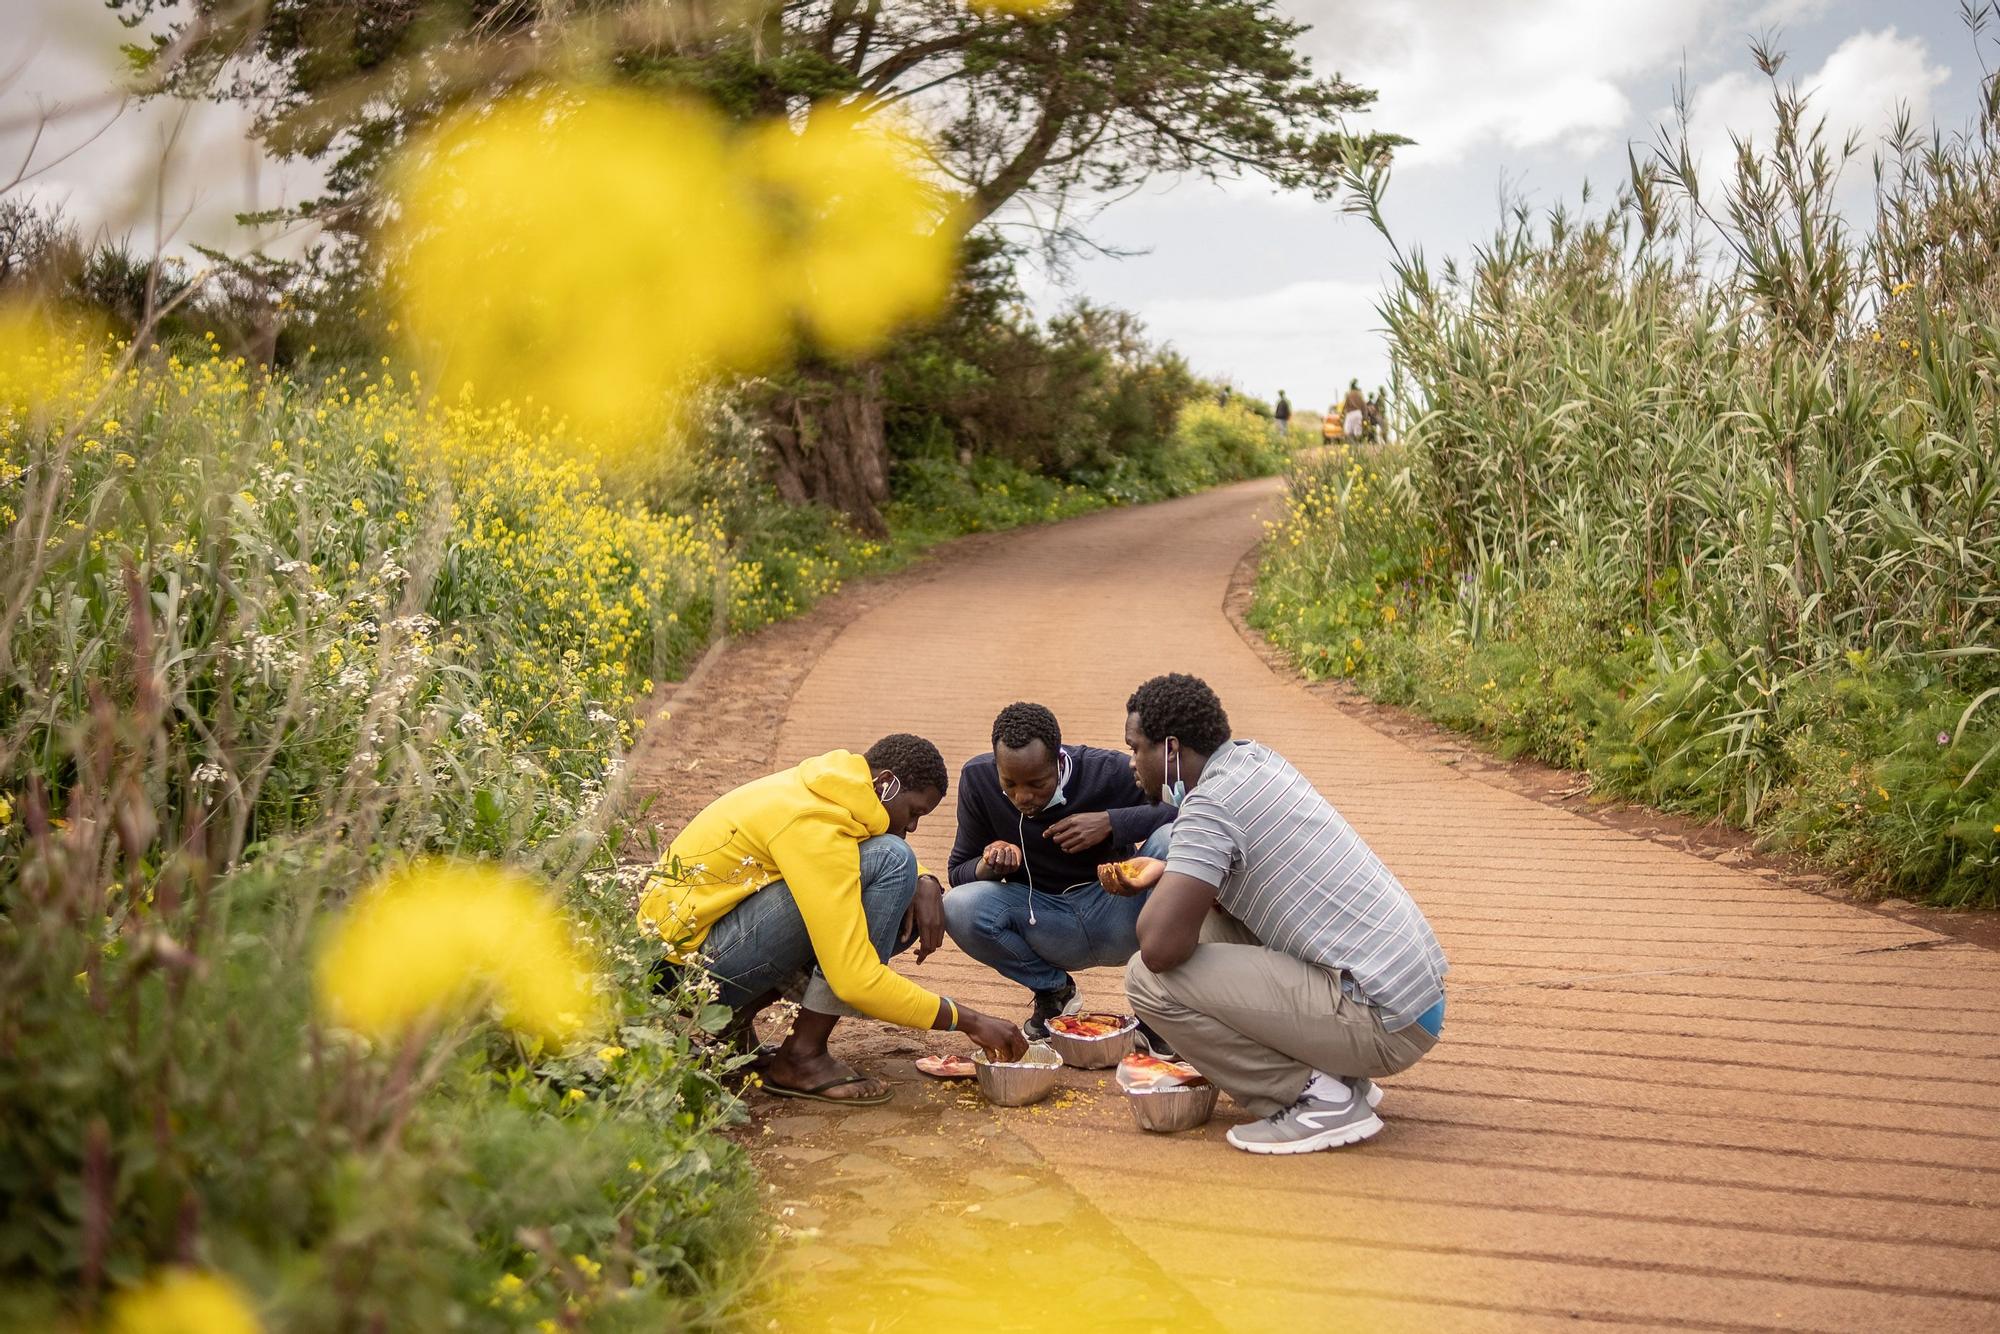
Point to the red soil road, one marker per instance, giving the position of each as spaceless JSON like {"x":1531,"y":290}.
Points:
{"x":1670,"y":1092}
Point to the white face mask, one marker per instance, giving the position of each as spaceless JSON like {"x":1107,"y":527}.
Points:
{"x":1174,"y":792}
{"x":1063,"y":767}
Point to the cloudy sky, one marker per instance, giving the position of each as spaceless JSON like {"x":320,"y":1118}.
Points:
{"x":1529,"y":98}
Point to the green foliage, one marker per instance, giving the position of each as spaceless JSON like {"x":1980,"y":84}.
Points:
{"x":1728,"y":538}
{"x":276,"y":637}
{"x":1093,"y":95}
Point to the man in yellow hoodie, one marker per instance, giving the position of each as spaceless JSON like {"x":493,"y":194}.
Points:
{"x":803,"y":879}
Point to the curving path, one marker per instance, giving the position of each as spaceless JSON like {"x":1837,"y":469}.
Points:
{"x":1671,"y":1092}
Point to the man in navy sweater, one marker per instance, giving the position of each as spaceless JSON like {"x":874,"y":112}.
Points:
{"x":1036,"y":819}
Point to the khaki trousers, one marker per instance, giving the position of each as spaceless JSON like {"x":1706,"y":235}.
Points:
{"x":1258,"y":1022}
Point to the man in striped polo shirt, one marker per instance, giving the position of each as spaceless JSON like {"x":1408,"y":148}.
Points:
{"x":1277,"y":953}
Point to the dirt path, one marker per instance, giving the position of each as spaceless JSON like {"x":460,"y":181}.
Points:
{"x":1671,"y":1092}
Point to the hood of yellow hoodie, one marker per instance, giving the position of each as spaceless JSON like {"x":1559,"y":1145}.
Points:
{"x":843,"y":778}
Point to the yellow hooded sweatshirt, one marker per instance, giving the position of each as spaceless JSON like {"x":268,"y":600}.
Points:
{"x":803,"y":826}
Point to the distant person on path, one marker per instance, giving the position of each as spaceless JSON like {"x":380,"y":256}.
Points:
{"x":1222,"y":398}
{"x":1036,"y":819}
{"x":1276,"y":952}
{"x":1353,"y":411}
{"x":1329,"y":425}
{"x":801,"y":881}
{"x":1282,"y":414}
{"x":1372,"y":422}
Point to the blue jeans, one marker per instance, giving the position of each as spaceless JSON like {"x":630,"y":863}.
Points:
{"x":761,"y":944}
{"x":1085,"y":928}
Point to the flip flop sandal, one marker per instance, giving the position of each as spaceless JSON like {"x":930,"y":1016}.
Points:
{"x":817,"y":1093}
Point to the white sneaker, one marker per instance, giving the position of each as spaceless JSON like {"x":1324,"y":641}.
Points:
{"x":1308,"y":1125}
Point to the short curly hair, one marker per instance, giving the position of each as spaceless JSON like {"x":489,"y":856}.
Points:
{"x":1181,"y":706}
{"x":1020,"y":724}
{"x":912,"y":759}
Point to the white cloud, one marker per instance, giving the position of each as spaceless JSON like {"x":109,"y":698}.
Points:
{"x":1472,"y":80}
{"x":1858,"y":89}
{"x":1308,"y":338}
{"x":1462,"y":76}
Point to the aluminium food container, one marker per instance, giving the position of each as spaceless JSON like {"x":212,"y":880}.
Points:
{"x":1173,"y":1107}
{"x":1098,"y":1053}
{"x":1018,"y":1083}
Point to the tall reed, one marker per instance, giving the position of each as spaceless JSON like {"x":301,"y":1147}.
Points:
{"x":1732,"y":416}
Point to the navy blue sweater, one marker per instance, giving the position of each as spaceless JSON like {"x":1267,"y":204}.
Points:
{"x":1099,"y":780}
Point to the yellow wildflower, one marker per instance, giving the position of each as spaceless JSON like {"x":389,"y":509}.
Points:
{"x":575,"y":1096}
{"x":873,"y":244}
{"x":491,"y":205}
{"x":435,"y":938}
{"x":609,"y":1054}
{"x":183,"y":1301}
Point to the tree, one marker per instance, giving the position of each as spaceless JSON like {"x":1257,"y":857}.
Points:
{"x":1089,"y":99}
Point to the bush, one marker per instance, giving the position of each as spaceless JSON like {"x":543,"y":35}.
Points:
{"x":270,"y":638}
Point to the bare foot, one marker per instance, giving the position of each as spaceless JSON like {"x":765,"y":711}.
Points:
{"x":790,"y":1070}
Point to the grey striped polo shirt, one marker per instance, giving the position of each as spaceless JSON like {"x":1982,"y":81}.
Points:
{"x":1286,"y":865}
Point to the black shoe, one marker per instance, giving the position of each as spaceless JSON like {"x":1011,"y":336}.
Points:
{"x":1155,"y":1044}
{"x":1049,"y":1004}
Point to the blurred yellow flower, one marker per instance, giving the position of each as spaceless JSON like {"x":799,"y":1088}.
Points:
{"x":872,"y":245}
{"x":183,"y":1301}
{"x":597,"y":251}
{"x":609,"y":1054}
{"x":48,"y":361}
{"x":437,"y":938}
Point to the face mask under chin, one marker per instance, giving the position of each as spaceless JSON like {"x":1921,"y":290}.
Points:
{"x":1063,"y":767}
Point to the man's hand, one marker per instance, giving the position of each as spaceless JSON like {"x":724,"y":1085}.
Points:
{"x":1085,"y":829}
{"x":999,"y":858}
{"x":926,"y":916}
{"x":1135,"y":876}
{"x":1000,"y":1040}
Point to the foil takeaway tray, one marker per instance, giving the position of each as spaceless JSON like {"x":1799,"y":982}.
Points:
{"x":1097,"y":1053}
{"x":1018,"y":1083}
{"x":1177,"y":1107}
